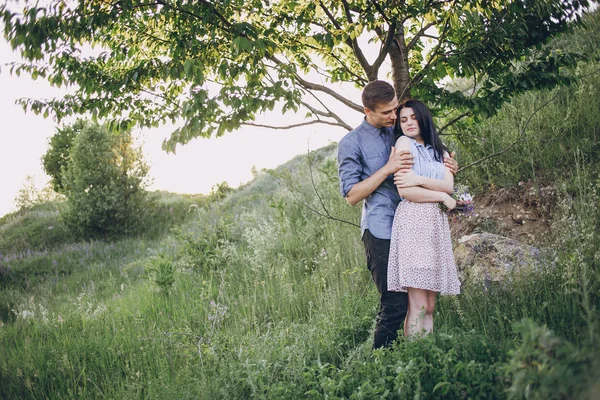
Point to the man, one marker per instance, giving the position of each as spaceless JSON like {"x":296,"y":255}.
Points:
{"x":367,"y":163}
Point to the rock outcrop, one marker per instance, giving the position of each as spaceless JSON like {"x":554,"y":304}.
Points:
{"x":491,"y":259}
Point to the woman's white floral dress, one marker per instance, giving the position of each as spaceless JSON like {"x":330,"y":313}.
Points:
{"x":421,"y":249}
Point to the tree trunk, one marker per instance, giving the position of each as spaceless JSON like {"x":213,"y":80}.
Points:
{"x":400,"y":71}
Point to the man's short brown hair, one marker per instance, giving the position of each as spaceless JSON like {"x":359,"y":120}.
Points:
{"x":376,"y":93}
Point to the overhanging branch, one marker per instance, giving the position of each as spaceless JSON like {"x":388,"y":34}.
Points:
{"x":380,"y":10}
{"x":433,"y":55}
{"x":292,"y":126}
{"x":352,"y":43}
{"x":421,"y":33}
{"x":328,"y":114}
{"x":327,"y":213}
{"x":452,"y":122}
{"x":314,"y":86}
{"x":517,"y":140}
{"x":383,"y":52}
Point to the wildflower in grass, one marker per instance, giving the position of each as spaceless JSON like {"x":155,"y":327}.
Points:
{"x":323,"y":253}
{"x":217,"y":312}
{"x":87,"y":308}
{"x":31,"y":310}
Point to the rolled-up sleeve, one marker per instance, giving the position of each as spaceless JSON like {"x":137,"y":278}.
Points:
{"x":349,"y":165}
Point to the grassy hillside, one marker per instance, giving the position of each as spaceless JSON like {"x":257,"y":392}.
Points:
{"x":265,"y":294}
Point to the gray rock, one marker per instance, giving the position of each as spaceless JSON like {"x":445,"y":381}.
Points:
{"x":492,"y":259}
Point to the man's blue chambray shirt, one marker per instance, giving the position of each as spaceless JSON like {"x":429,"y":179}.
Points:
{"x":361,"y":153}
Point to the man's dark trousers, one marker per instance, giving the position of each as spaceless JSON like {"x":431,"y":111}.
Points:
{"x":393,"y":305}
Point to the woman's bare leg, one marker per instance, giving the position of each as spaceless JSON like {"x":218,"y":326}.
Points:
{"x":428,"y":320}
{"x":417,"y":307}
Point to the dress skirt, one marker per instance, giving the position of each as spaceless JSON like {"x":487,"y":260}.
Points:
{"x":421,"y":250}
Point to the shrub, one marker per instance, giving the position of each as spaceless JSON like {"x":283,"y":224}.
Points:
{"x":104,"y":184}
{"x":546,"y":367}
{"x":163,"y":272}
{"x":201,"y":248}
{"x":56,"y":159}
{"x":29,"y":195}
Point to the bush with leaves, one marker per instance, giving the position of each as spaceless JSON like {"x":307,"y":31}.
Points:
{"x":201,"y":247}
{"x":30,"y":195}
{"x":56,"y":159}
{"x":105,"y":183}
{"x":162,"y":271}
{"x":544,"y":366}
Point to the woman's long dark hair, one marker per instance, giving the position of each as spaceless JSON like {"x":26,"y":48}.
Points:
{"x":426,"y":126}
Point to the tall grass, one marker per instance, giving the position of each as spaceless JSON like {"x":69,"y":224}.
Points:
{"x":285,"y":310}
{"x":258,"y":296}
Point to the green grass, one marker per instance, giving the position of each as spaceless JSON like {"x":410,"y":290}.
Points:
{"x":257,"y":296}
{"x":286,"y":311}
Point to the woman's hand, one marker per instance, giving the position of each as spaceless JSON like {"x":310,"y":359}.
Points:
{"x":449,"y":202}
{"x":406,"y":179}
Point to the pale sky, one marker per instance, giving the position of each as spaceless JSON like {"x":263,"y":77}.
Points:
{"x":195,"y":168}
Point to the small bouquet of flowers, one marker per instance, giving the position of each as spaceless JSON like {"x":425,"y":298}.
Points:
{"x":464,"y":202}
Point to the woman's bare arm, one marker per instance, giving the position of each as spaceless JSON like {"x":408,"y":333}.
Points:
{"x":403,"y":179}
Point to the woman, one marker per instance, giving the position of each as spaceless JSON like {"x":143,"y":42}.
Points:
{"x":421,"y":260}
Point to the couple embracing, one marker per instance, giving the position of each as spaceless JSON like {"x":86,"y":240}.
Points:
{"x":396,"y":162}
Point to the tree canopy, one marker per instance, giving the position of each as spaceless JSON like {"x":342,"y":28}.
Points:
{"x":211,"y":66}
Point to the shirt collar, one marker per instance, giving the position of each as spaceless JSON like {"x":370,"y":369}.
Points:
{"x":426,"y":146}
{"x":372,"y":129}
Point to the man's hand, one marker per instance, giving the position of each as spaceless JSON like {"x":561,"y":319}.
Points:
{"x":404,"y":179}
{"x":451,"y":163}
{"x":399,"y":161}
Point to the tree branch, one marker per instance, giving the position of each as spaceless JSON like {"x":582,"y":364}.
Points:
{"x":380,"y":10}
{"x":347,"y":11}
{"x":453,"y":121}
{"x":167,"y":99}
{"x":360,"y":56}
{"x":489,"y":33}
{"x":314,"y":110}
{"x":292,"y":126}
{"x":358,"y":78}
{"x":132,"y":6}
{"x":433,"y":55}
{"x":317,"y":112}
{"x":420,"y":34}
{"x":330,"y":16}
{"x":589,"y":74}
{"x":206,"y":3}
{"x":320,"y":213}
{"x":313,"y":86}
{"x":383,"y":52}
{"x":328,"y":114}
{"x":326,"y":213}
{"x":312,"y":181}
{"x":517,"y":140}
{"x":352,"y":43}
